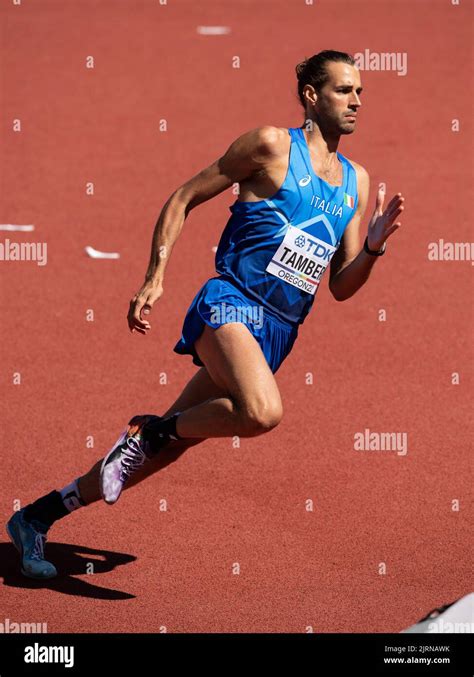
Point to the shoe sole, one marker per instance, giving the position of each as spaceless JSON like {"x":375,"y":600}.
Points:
{"x":20,"y":550}
{"x":120,"y":440}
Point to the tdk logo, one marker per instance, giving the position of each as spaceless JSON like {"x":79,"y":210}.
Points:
{"x":319,"y":249}
{"x":305,"y":180}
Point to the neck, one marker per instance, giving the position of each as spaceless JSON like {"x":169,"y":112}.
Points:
{"x":324,"y":143}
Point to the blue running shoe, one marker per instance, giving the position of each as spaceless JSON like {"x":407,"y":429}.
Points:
{"x":29,"y":539}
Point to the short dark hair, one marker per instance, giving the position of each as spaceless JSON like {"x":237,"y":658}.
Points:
{"x":313,"y":71}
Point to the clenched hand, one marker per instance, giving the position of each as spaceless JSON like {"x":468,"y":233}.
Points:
{"x":141,"y":305}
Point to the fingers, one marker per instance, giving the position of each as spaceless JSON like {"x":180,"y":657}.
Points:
{"x":396,"y":210}
{"x":141,"y":305}
{"x":392,"y":229}
{"x":394,"y":214}
{"x":135,"y":320}
{"x":145,"y":310}
{"x":139,"y":331}
{"x":380,"y":199}
{"x":394,"y":203}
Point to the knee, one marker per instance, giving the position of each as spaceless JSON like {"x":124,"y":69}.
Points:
{"x":261,"y":418}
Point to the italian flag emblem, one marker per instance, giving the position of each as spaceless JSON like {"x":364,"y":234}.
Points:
{"x":348,"y":200}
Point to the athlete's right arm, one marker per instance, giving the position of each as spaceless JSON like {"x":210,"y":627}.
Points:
{"x":248,"y":154}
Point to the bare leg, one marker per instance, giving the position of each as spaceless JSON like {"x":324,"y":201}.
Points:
{"x":199,"y":389}
{"x":235,"y":394}
{"x":252,"y":404}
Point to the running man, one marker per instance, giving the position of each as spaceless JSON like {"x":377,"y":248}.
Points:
{"x":299,"y":209}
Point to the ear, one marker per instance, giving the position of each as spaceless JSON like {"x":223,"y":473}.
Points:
{"x":309,"y":93}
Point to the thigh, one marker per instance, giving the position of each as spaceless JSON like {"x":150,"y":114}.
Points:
{"x":236,"y":363}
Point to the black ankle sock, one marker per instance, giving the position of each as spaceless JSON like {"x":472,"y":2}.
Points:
{"x":46,"y":509}
{"x":161,"y":431}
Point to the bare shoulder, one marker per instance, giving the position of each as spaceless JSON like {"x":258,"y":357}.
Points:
{"x":268,"y":140}
{"x":362,"y":173}
{"x":270,"y":134}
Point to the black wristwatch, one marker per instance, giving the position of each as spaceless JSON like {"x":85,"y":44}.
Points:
{"x":380,"y":252}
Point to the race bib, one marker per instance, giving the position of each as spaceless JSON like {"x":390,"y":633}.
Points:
{"x":301,"y":260}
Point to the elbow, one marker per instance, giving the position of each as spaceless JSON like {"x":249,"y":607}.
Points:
{"x":181,"y":200}
{"x":340,"y":298}
{"x":338,"y":295}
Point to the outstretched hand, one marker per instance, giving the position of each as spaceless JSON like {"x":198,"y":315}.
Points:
{"x":141,"y":305}
{"x":382,"y":224}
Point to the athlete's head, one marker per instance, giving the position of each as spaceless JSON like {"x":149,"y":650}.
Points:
{"x":329,"y":89}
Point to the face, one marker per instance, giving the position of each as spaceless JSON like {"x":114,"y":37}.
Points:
{"x":337,"y":103}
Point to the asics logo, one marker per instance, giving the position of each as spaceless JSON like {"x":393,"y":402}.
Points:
{"x":305,"y":180}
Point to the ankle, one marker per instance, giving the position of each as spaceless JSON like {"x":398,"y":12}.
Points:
{"x":54,"y":506}
{"x":160,"y":432}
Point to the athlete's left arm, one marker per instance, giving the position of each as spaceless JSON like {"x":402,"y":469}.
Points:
{"x":351,"y":265}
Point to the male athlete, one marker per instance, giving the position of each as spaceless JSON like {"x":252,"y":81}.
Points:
{"x":299,"y":209}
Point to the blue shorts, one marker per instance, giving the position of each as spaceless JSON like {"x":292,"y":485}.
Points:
{"x":219,"y":302}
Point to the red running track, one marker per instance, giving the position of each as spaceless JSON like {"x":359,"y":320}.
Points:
{"x":173,"y":568}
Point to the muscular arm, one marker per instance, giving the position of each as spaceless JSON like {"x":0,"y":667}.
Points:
{"x":248,"y":154}
{"x":351,"y":265}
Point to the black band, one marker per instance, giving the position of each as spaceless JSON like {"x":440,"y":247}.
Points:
{"x":380,"y":252}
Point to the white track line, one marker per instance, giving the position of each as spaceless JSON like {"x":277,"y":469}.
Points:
{"x":95,"y":254}
{"x":13,"y":226}
{"x":213,"y":30}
